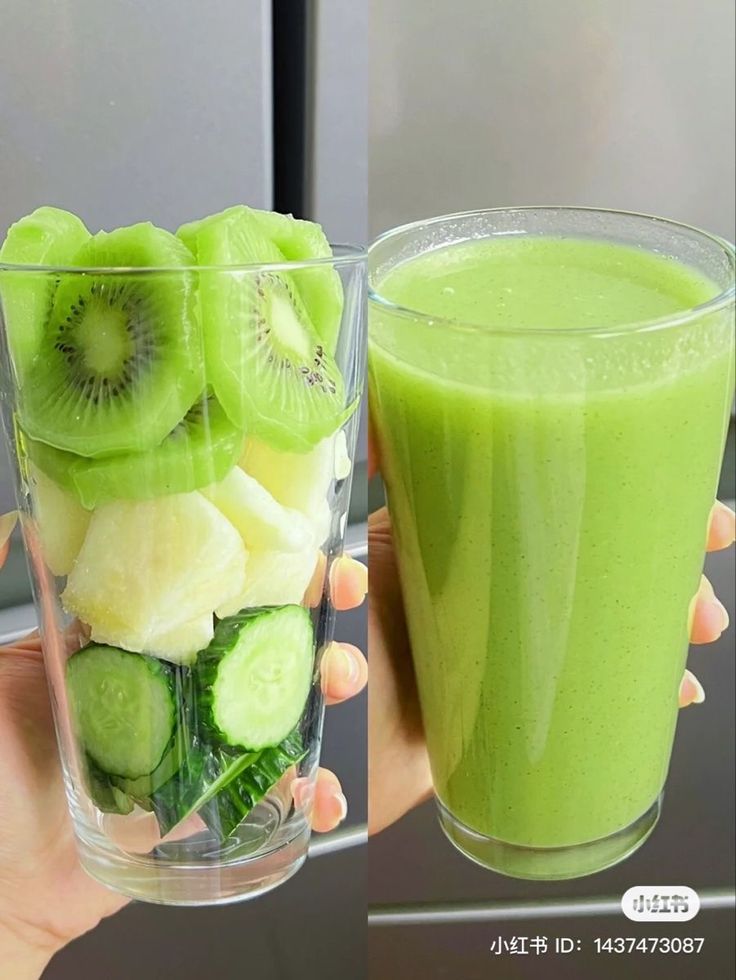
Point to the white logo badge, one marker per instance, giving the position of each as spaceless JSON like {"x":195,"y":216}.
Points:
{"x":660,"y":903}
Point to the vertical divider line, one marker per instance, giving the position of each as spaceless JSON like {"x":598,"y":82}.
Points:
{"x":292,"y":34}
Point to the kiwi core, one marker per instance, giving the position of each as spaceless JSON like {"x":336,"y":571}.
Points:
{"x":105,"y":341}
{"x":288,"y":330}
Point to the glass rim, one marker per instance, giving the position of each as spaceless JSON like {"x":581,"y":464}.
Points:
{"x":721,"y":301}
{"x":343,"y":255}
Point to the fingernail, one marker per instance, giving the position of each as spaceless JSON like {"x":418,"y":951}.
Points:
{"x":360,"y":571}
{"x":692,"y":689}
{"x":346,"y":565}
{"x":723,"y":612}
{"x":7,"y":523}
{"x":343,"y":804}
{"x":343,"y":666}
{"x":725,"y":518}
{"x":301,"y":790}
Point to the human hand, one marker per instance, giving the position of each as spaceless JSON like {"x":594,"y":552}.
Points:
{"x":46,"y":899}
{"x":708,"y":616}
{"x":344,"y":674}
{"x":398,"y":766}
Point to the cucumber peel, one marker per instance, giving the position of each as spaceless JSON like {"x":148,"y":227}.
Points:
{"x":105,"y":795}
{"x":254,"y":678}
{"x":223,"y":787}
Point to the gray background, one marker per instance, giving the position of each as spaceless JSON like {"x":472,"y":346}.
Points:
{"x":338,"y":175}
{"x":615,"y":103}
{"x":127,"y":110}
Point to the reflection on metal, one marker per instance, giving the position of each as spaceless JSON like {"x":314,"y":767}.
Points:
{"x":356,"y":540}
{"x":338,"y":840}
{"x":16,"y":621}
{"x":465,"y":912}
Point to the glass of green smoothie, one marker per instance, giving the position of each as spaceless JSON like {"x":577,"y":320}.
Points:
{"x":550,"y":391}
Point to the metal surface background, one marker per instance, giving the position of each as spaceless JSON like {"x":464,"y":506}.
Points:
{"x":612,"y":103}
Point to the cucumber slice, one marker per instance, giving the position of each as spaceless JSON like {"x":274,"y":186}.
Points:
{"x":254,"y":677}
{"x":123,"y":706}
{"x":178,"y":752}
{"x":223,"y":787}
{"x":104,"y":794}
{"x":142,"y":788}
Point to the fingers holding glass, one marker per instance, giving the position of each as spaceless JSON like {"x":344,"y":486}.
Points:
{"x":329,"y":806}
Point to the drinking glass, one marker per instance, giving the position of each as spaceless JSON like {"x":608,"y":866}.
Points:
{"x":180,"y":556}
{"x":549,"y":487}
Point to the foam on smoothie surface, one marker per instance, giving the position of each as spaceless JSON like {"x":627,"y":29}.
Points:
{"x":517,"y":283}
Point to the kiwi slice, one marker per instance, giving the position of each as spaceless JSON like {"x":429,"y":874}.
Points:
{"x":119,"y":362}
{"x":48,"y":237}
{"x":189,"y":233}
{"x":201,"y":450}
{"x":267,"y":365}
{"x":319,"y":287}
{"x":55,"y":463}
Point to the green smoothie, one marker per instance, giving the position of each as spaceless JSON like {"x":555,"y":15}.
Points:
{"x":550,"y":470}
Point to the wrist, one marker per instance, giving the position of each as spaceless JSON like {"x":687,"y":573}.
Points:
{"x":22,"y":957}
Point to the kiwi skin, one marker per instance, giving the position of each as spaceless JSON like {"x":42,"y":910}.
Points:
{"x":120,"y":362}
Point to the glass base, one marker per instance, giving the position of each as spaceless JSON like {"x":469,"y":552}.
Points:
{"x":549,"y":863}
{"x":164,"y":879}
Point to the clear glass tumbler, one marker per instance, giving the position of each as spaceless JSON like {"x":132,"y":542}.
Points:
{"x":183,"y":460}
{"x":550,"y":390}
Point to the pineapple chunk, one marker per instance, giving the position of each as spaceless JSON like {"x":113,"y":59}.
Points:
{"x":182,"y":644}
{"x":274,"y":578}
{"x":148,"y":568}
{"x":263,"y":523}
{"x":61,"y":520}
{"x":302,"y":481}
{"x":298,"y":480}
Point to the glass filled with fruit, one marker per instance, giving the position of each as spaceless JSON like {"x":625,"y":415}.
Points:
{"x":181,"y":410}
